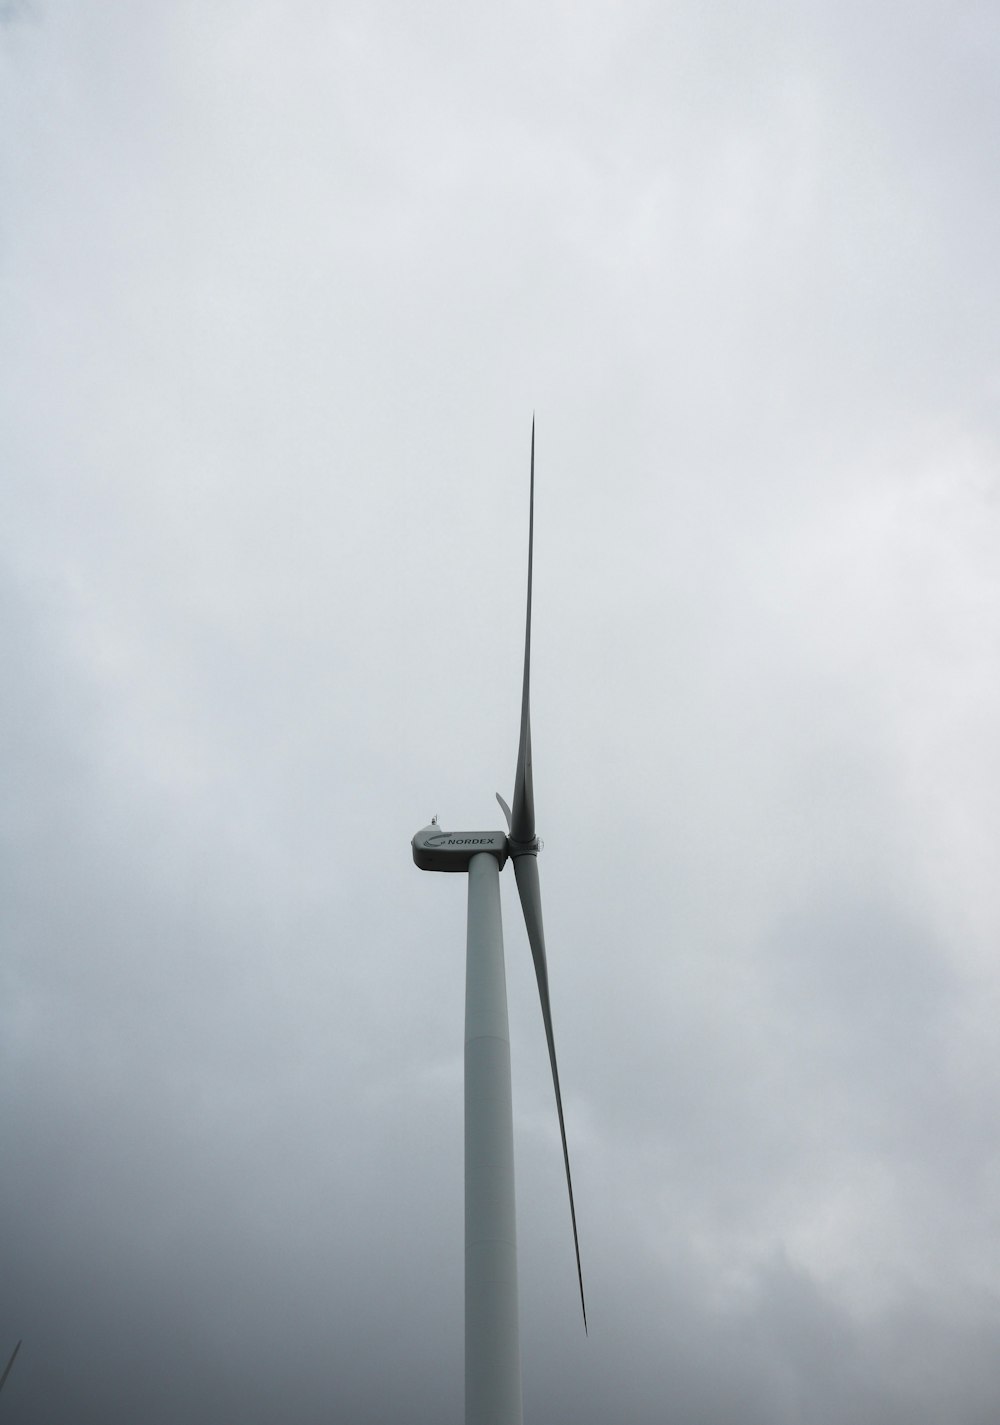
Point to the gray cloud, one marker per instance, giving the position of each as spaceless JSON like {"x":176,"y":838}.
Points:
{"x":278,"y":300}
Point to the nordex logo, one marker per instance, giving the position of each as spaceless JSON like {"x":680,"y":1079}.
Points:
{"x":442,"y":838}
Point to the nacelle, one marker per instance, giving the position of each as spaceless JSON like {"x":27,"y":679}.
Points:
{"x":437,"y":850}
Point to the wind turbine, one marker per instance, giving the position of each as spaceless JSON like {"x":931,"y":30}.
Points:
{"x":492,"y":1343}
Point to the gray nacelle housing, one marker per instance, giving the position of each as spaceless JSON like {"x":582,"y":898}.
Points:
{"x":437,"y":850}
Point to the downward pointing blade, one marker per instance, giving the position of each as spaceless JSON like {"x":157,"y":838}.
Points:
{"x":526,"y":873}
{"x":522,"y":823}
{"x":6,"y":1373}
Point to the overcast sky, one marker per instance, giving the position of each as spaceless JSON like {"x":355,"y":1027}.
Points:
{"x":280,"y":287}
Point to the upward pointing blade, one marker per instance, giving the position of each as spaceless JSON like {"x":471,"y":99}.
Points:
{"x":526,"y":874}
{"x":522,"y":821}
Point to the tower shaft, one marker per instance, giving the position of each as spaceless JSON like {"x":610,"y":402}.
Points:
{"x":492,"y":1345}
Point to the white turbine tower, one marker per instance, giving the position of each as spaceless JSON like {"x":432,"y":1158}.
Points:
{"x":492,"y":1344}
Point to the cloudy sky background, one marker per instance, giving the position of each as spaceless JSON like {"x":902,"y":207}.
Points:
{"x":280,"y":287}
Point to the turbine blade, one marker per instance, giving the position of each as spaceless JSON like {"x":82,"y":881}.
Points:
{"x":526,"y":874}
{"x":505,"y":808}
{"x":522,"y":827}
{"x":6,"y":1373}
